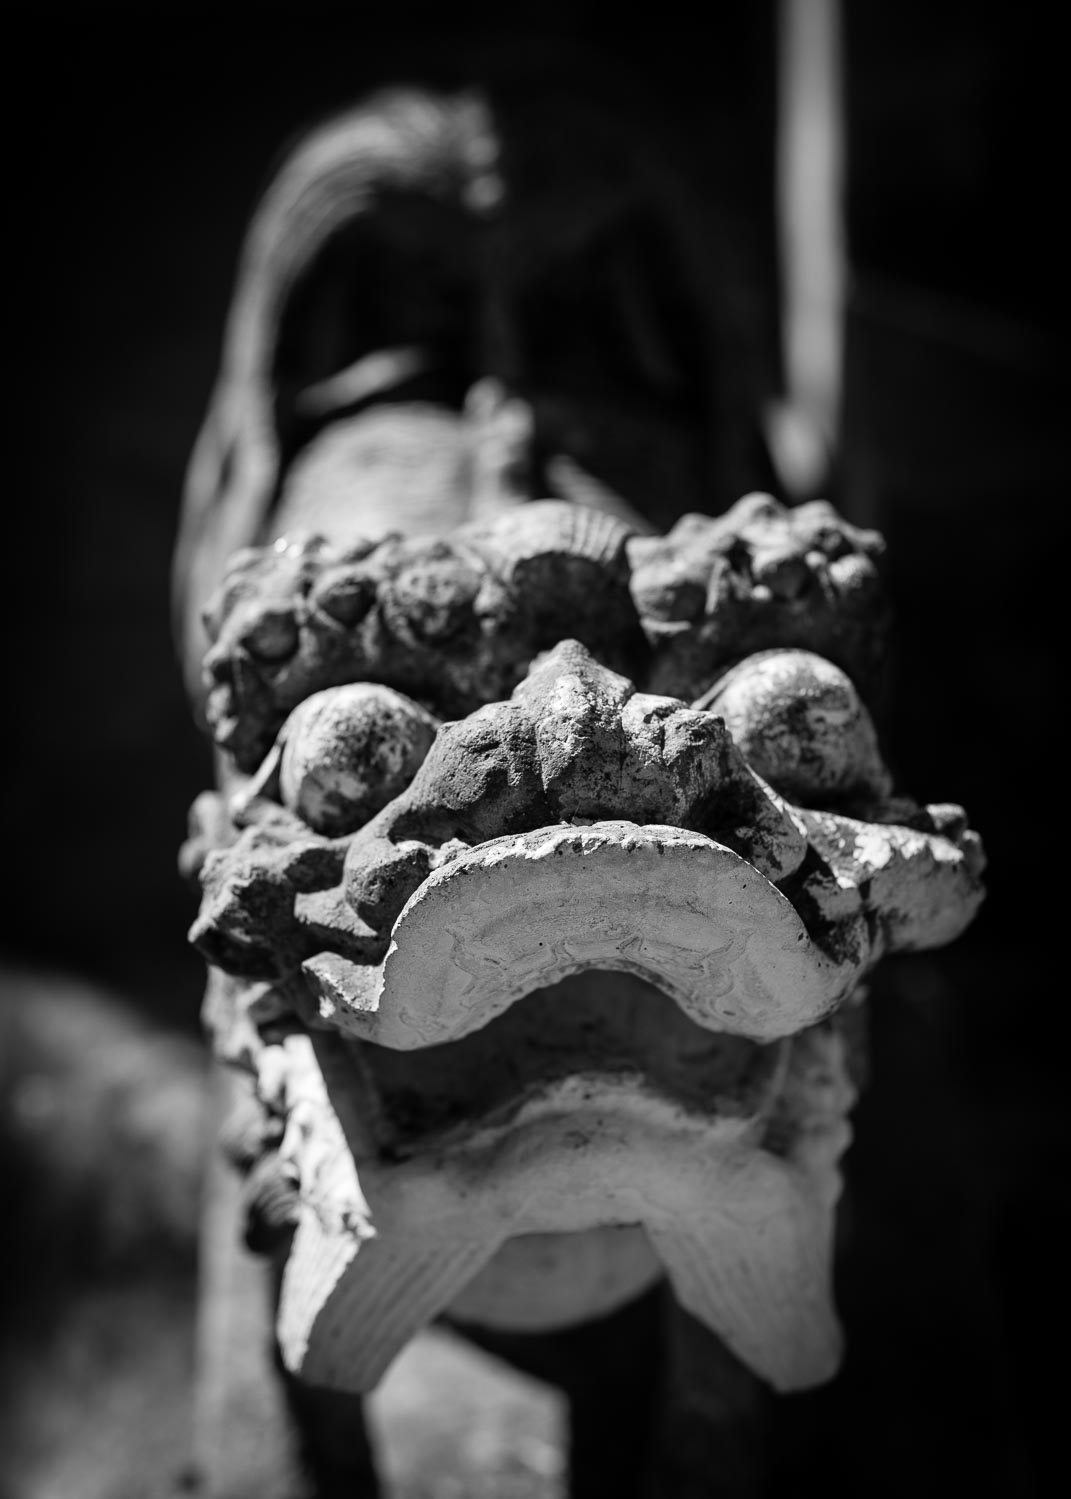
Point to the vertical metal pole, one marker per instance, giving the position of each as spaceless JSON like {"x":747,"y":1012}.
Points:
{"x":805,"y":426}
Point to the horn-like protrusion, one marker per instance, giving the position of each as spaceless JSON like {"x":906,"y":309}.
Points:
{"x":521,"y":912}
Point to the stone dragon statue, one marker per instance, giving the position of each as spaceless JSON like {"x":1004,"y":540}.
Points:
{"x":552,"y":842}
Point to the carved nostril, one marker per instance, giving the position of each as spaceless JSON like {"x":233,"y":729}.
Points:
{"x":786,"y":577}
{"x":271,"y":636}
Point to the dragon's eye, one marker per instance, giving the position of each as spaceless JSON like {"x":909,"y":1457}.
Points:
{"x":272,"y":635}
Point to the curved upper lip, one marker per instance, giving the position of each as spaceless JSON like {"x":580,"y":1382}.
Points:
{"x":519,"y":913}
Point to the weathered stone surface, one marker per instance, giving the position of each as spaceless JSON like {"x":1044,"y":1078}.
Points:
{"x":574,"y":741}
{"x":454,"y":624}
{"x":552,"y":853}
{"x":347,"y":751}
{"x":718,"y":588}
{"x":560,"y":865}
{"x":743,"y":1233}
{"x":922,"y":887}
{"x":521,"y":913}
{"x":577,"y":744}
{"x":800,"y":723}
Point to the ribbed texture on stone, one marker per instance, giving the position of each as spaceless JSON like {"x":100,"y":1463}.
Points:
{"x":765,"y":1288}
{"x":347,"y":1307}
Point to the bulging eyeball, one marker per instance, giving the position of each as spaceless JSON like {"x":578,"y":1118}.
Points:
{"x":348,"y":751}
{"x":801,"y":724}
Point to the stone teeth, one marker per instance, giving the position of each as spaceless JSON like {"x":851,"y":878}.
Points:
{"x":351,"y":1297}
{"x":521,"y":912}
{"x":349,"y":1306}
{"x":745,"y":1236}
{"x":763,"y":1284}
{"x":755,"y":1264}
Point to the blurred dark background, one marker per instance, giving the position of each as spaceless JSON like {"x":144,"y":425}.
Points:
{"x":141,"y":139}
